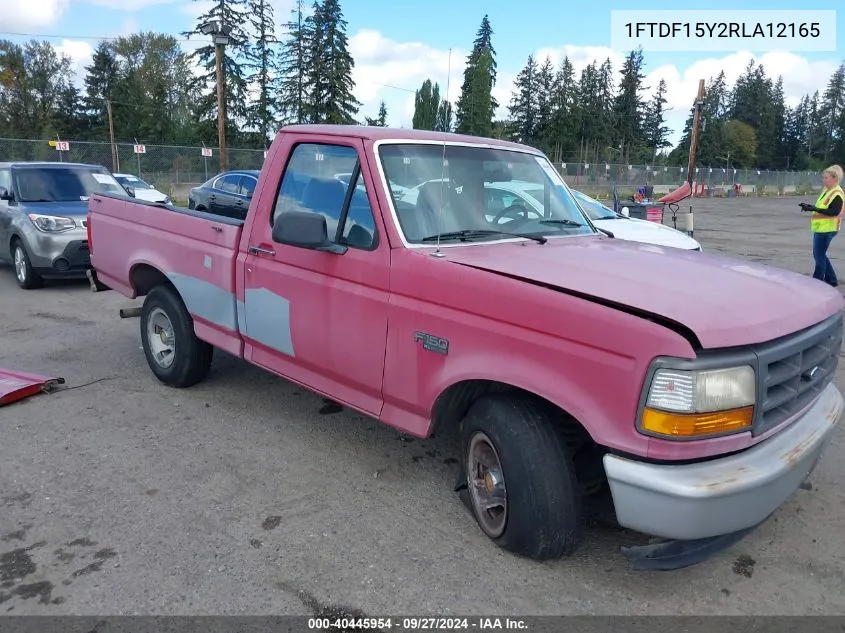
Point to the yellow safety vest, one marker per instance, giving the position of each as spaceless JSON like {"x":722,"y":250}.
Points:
{"x":820,"y":223}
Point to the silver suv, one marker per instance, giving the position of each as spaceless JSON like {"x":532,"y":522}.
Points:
{"x":43,"y":210}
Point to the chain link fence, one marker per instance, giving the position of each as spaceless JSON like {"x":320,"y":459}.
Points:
{"x":711,"y":181}
{"x":174,"y":169}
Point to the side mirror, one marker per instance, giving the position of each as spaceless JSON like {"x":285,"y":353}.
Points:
{"x":625,"y":212}
{"x":130,"y":191}
{"x":4,"y":194}
{"x":305,"y":229}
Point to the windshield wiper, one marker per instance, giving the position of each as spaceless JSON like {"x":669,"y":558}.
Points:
{"x":470,"y":233}
{"x":573,"y":223}
{"x":562,"y":222}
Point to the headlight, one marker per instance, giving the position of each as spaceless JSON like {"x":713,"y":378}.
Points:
{"x":52,"y":223}
{"x":688,"y":404}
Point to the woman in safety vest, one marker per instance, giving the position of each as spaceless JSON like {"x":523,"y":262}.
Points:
{"x":825,"y":222}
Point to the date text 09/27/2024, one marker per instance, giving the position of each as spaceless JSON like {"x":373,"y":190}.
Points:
{"x":723,"y":29}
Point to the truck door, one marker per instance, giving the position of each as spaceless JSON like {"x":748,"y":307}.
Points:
{"x":316,"y":317}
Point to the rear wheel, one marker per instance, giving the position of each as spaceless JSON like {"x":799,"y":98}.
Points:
{"x":174,"y":353}
{"x":520,"y":477}
{"x":27,"y":278}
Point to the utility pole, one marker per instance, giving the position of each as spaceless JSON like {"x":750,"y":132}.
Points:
{"x":220,"y":33}
{"x":221,"y":106}
{"x":115,"y":162}
{"x":693,"y":145}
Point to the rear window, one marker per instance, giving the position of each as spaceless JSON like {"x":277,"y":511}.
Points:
{"x":62,"y":184}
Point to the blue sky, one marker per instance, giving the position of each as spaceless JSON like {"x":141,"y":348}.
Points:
{"x":402,"y":42}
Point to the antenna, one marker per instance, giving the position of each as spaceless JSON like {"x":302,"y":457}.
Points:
{"x":437,"y":252}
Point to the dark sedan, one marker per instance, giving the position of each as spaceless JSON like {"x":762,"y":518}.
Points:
{"x":227,"y":194}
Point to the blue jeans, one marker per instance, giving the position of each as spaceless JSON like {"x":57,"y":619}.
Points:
{"x":824,"y":269}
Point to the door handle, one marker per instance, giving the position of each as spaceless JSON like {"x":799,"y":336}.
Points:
{"x":258,"y":250}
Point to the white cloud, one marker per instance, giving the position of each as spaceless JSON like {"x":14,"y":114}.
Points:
{"x":32,"y":15}
{"x":129,"y":26}
{"x":391,"y":71}
{"x":80,"y":53}
{"x":405,"y":65}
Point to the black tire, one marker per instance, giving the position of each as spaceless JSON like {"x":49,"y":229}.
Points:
{"x":31,"y":280}
{"x":191,"y":357}
{"x":543,"y":518}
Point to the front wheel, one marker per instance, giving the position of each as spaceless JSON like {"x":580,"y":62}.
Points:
{"x":174,"y":353}
{"x":520,"y":477}
{"x":27,"y":278}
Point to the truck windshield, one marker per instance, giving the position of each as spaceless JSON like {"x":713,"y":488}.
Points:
{"x":477,"y":193}
{"x":62,"y":184}
{"x":595,"y":209}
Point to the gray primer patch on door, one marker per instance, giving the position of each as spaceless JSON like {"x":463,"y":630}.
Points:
{"x":267,"y":319}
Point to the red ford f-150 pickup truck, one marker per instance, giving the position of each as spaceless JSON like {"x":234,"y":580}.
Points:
{"x":695,"y":390}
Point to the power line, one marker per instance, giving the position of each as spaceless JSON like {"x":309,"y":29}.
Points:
{"x":89,"y":37}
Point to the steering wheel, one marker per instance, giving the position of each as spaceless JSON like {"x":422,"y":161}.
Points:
{"x":518,"y":208}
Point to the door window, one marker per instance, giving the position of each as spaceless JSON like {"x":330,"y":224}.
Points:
{"x":309,"y":183}
{"x":229,"y":183}
{"x":248,"y":184}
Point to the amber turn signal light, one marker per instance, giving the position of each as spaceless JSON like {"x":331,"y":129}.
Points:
{"x":697,"y":424}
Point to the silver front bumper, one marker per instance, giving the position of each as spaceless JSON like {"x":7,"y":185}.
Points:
{"x":727,"y":494}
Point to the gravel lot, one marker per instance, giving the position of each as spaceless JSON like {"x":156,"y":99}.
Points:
{"x":246,"y":495}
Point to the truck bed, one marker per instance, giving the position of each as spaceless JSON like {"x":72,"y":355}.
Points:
{"x":134,"y":243}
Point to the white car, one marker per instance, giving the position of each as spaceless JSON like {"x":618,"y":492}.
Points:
{"x":632,"y":229}
{"x":502,"y":194}
{"x":398,"y":190}
{"x":141,"y":189}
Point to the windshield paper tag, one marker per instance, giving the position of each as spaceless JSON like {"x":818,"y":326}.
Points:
{"x":103,"y":179}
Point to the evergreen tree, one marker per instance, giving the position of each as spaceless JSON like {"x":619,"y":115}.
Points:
{"x":445,"y":119}
{"x":262,"y":62}
{"x":381,"y":119}
{"x":545,"y":105}
{"x":523,"y":109}
{"x":564,"y":119}
{"x":830,"y":112}
{"x":330,"y":71}
{"x":655,"y":131}
{"x":293,"y":66}
{"x":629,"y":108}
{"x":476,"y":104}
{"x":100,"y":80}
{"x":230,"y":14}
{"x":426,"y":106}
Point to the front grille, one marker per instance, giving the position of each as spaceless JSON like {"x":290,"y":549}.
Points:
{"x":794,"y":370}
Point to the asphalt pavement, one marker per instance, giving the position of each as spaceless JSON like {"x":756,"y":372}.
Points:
{"x":247,"y":495}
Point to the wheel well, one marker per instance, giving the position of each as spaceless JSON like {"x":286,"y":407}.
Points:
{"x":453,"y":404}
{"x":144,"y":278}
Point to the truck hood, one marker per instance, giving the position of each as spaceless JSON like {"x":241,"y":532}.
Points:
{"x":723,"y":301}
{"x":69,"y":209}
